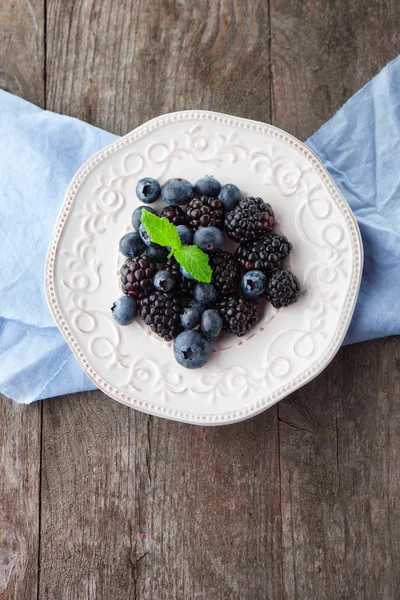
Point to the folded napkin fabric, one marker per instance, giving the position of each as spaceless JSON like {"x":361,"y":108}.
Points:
{"x":360,"y":147}
{"x":39,"y":153}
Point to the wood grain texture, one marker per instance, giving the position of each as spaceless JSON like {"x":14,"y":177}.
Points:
{"x":117,"y":64}
{"x":22,"y":73}
{"x":138,"y":507}
{"x":22,"y":53}
{"x":324,"y":52}
{"x":369,"y":468}
{"x":211,"y":511}
{"x":339,"y":457}
{"x":19,"y":499}
{"x":339,"y":436}
{"x":86,"y":547}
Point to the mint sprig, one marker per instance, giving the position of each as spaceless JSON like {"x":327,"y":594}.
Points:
{"x":160,"y":230}
{"x":191,"y":258}
{"x":195,"y":261}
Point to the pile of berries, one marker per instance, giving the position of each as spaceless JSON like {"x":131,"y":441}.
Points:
{"x":170,"y":300}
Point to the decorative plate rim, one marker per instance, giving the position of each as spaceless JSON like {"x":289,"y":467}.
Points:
{"x":306,"y":376}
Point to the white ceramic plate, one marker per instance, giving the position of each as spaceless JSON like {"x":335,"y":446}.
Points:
{"x":245,"y":375}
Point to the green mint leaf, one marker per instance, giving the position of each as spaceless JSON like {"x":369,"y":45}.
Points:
{"x":195,"y":261}
{"x":160,"y":230}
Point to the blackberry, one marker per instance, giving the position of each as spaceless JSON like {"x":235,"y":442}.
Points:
{"x":251,"y":219}
{"x":205,"y":212}
{"x":137,"y":277}
{"x":238,"y":315}
{"x":264,"y":254}
{"x":162,"y":314}
{"x":283,"y":289}
{"x":174,"y":214}
{"x":226,"y":273}
{"x":184,"y":286}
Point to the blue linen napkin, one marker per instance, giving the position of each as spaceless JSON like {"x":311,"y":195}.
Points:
{"x":39,"y":153}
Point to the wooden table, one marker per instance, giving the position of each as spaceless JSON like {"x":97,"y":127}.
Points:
{"x":98,"y":501}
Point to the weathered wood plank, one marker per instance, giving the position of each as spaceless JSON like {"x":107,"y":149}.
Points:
{"x":22,"y":65}
{"x":312,"y":520}
{"x":119,"y":65}
{"x":135,"y":506}
{"x":324,"y":52}
{"x":339,"y":439}
{"x":21,"y":73}
{"x":340,"y":478}
{"x":86,"y":545}
{"x":369,"y":468}
{"x":19,"y":499}
{"x":210,"y":507}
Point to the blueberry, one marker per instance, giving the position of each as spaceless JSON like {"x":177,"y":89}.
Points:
{"x":205,"y":294}
{"x":230,"y":196}
{"x":177,"y":191}
{"x":190,"y":317}
{"x":209,"y":239}
{"x":194,"y":304}
{"x":207,"y":186}
{"x":254,"y":283}
{"x":146,"y":237}
{"x":186,"y":273}
{"x":211,"y":324}
{"x":191,"y":349}
{"x":124,"y":310}
{"x":164,"y":281}
{"x":185,"y":234}
{"x":137,"y":213}
{"x":157,"y":253}
{"x":131,"y":244}
{"x":148,"y":190}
